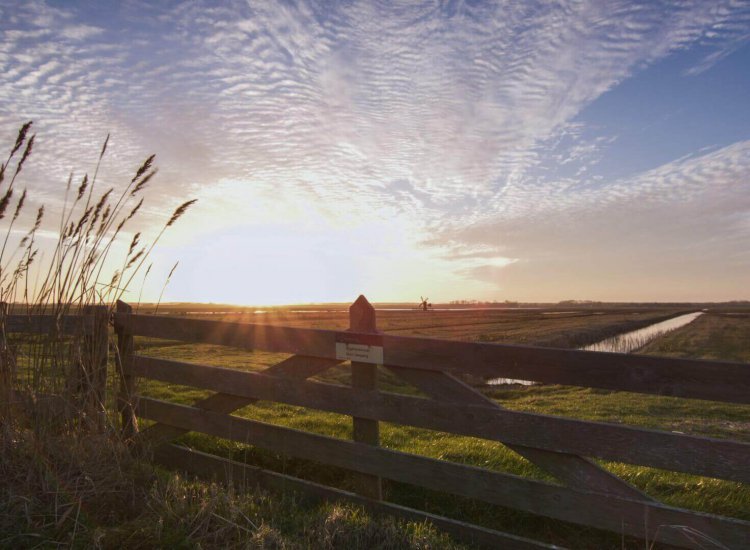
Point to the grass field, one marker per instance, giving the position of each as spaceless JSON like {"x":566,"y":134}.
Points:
{"x":548,"y":326}
{"x":723,"y":336}
{"x":714,"y":336}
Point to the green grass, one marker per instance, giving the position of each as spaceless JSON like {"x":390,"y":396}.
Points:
{"x":91,"y":493}
{"x":715,"y":337}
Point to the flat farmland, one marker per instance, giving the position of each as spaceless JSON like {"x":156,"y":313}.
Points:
{"x":548,"y":326}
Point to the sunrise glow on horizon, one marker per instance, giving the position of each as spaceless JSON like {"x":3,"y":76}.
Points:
{"x":456,"y":150}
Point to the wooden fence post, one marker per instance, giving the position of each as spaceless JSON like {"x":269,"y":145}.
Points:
{"x":7,"y":363}
{"x":364,"y":377}
{"x":124,"y":362}
{"x":94,"y":364}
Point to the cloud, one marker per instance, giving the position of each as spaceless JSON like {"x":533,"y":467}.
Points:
{"x":80,"y":32}
{"x":685,"y":220}
{"x":726,"y":32}
{"x":442,"y":114}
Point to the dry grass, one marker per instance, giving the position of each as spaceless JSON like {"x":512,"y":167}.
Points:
{"x":91,"y":492}
{"x":59,"y":487}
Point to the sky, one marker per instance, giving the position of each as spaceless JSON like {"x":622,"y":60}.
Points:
{"x":457,"y":150}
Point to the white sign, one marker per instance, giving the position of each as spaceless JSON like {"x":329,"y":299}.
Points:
{"x":359,"y":352}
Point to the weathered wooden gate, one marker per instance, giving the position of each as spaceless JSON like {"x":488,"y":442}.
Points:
{"x":588,"y":494}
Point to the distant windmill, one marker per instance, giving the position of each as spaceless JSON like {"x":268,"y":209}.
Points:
{"x":424,"y":304}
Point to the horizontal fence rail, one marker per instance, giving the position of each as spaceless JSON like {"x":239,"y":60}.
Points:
{"x":587,"y":495}
{"x":84,"y":377}
{"x":45,"y":324}
{"x":692,"y":378}
{"x":678,"y":452}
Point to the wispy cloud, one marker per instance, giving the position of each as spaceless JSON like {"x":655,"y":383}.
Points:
{"x":442,"y":114}
{"x":683,"y":220}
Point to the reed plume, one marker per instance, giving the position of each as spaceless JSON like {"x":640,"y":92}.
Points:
{"x":70,"y":276}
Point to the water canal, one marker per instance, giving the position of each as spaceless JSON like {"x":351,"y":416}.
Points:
{"x":627,"y":342}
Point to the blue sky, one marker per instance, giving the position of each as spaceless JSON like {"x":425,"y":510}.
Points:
{"x":516,"y":150}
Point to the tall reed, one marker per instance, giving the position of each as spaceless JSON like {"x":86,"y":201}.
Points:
{"x":52,"y":374}
{"x":60,"y":448}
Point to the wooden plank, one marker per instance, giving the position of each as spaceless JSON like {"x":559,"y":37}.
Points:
{"x":295,"y":367}
{"x":365,"y":378}
{"x":124,"y":361}
{"x":631,"y":517}
{"x":46,"y":324}
{"x":712,"y":380}
{"x":299,"y":341}
{"x":572,"y":470}
{"x":711,"y":457}
{"x":8,"y":369}
{"x":92,"y":367}
{"x":247,"y":476}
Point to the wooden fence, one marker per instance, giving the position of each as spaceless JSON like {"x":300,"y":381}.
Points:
{"x":587,"y":494}
{"x":85,"y":378}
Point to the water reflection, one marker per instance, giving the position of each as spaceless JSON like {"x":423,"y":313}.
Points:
{"x":626,"y":342}
{"x":636,"y":339}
